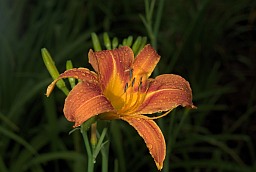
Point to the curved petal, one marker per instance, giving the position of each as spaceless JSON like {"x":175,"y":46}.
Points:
{"x":113,"y":68}
{"x":80,"y":73}
{"x":84,"y":101}
{"x":165,"y":93}
{"x":152,"y":136}
{"x":146,"y":61}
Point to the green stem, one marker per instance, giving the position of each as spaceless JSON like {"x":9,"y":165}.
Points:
{"x":88,"y":149}
{"x":104,"y":154}
{"x":158,"y":21}
{"x":100,"y":144}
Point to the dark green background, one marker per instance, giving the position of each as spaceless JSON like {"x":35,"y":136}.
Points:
{"x":211,"y":43}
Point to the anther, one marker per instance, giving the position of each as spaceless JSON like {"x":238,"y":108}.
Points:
{"x":125,"y":87}
{"x":140,"y":83}
{"x":131,"y":73}
{"x":133,"y":81}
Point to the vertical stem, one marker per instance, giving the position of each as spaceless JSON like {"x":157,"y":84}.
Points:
{"x":88,"y":149}
{"x":158,"y":21}
{"x":116,"y":133}
{"x":104,"y":154}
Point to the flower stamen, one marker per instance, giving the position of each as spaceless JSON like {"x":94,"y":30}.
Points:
{"x":133,"y":81}
{"x":140,"y":98}
{"x":131,"y":73}
{"x":160,"y":116}
{"x":131,"y":104}
{"x":125,"y":87}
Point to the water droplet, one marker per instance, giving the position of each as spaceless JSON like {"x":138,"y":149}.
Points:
{"x":150,"y":146}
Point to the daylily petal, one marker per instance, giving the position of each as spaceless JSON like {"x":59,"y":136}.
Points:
{"x":113,"y":68}
{"x":80,"y":73}
{"x":166,"y":92}
{"x":145,"y":62}
{"x":84,"y":101}
{"x":152,"y":136}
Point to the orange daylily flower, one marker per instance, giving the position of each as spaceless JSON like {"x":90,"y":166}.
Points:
{"x":121,"y":89}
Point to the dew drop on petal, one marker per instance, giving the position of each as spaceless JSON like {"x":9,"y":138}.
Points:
{"x":150,"y":146}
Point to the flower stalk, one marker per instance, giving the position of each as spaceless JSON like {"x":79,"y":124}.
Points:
{"x":90,"y":167}
{"x":94,"y":145}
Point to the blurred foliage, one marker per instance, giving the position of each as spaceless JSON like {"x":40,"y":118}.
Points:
{"x":210,"y":43}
